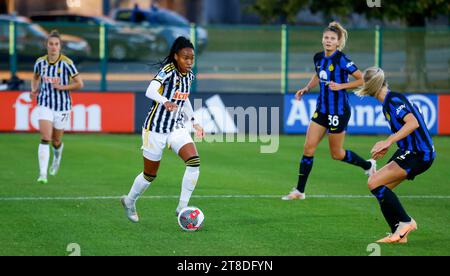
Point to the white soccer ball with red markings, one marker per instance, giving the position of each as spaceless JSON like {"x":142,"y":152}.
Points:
{"x":191,"y":219}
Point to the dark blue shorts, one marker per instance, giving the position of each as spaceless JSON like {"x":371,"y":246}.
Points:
{"x":412,"y":162}
{"x":333,"y":123}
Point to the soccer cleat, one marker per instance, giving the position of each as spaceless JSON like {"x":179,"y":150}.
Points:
{"x":373,"y":168}
{"x":294,"y":195}
{"x":387,"y":239}
{"x":404,"y":240}
{"x":178,"y":210}
{"x":130,"y":211}
{"x":401,"y":234}
{"x":42,"y":179}
{"x":403,"y":230}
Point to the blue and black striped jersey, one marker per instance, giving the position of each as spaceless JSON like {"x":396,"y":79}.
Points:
{"x":61,"y":71}
{"x":176,"y":87}
{"x":395,"y":108}
{"x":336,"y":68}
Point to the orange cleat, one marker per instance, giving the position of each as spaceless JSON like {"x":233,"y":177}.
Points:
{"x":404,"y":229}
{"x":401,"y":234}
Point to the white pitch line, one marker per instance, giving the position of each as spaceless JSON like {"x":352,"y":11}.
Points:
{"x":89,"y":198}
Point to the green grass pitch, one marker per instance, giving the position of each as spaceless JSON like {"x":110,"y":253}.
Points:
{"x":245,"y":225}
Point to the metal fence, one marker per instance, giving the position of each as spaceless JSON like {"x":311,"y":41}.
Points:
{"x":272,"y":59}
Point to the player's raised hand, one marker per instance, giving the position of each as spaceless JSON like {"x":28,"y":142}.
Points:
{"x":170,"y":106}
{"x":300,"y":93}
{"x":380,"y":149}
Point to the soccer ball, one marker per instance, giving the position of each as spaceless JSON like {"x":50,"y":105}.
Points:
{"x":191,"y":219}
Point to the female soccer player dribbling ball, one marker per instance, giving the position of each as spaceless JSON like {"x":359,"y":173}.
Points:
{"x":164,"y":125}
{"x":333,"y":109}
{"x":415,"y":155}
{"x":55,"y":75}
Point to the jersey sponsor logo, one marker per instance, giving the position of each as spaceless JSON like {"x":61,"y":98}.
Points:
{"x":51,"y":79}
{"x":179,"y":96}
{"x":323,"y":75}
{"x":399,"y":109}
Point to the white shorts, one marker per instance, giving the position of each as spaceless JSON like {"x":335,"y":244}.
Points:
{"x":153,"y":143}
{"x":60,"y":119}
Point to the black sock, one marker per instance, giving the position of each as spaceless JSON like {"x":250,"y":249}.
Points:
{"x":354,"y":159}
{"x":57,"y":147}
{"x":305,"y":168}
{"x":391,"y":207}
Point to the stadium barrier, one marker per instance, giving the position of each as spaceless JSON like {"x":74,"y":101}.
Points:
{"x":218,"y":113}
{"x":443,"y":116}
{"x":367,"y":113}
{"x":92,"y":112}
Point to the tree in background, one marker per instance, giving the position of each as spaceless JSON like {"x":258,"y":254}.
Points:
{"x":284,"y":10}
{"x":412,"y":13}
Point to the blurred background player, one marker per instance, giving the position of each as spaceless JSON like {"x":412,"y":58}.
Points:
{"x":415,"y":155}
{"x":164,"y":125}
{"x":55,"y":75}
{"x":333,"y":109}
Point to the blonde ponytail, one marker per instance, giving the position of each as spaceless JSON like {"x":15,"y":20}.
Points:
{"x":374,"y":81}
{"x":341,"y":32}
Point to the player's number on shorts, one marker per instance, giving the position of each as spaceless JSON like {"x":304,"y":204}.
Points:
{"x":403,"y":157}
{"x":74,"y":249}
{"x":333,"y":120}
{"x":65,"y":116}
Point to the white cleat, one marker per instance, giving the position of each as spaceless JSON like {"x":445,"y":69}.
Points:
{"x":178,"y":210}
{"x":130,"y":209}
{"x":373,"y":168}
{"x":42,"y":179}
{"x":294,"y":195}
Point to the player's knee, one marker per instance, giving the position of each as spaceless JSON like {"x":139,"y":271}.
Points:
{"x":193,"y":162}
{"x":372,"y":183}
{"x":338,"y":155}
{"x":56,"y":142}
{"x":309,"y":149}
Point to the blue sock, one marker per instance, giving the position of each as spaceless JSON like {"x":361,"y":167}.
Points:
{"x":391,"y":207}
{"x":354,"y":159}
{"x":305,"y":169}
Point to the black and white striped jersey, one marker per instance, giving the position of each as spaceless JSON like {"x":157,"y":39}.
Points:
{"x":176,"y":87}
{"x":61,"y":71}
